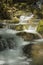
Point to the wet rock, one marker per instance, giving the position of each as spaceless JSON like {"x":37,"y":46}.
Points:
{"x":27,"y":50}
{"x":15,"y":20}
{"x":6,"y":44}
{"x":37,"y":54}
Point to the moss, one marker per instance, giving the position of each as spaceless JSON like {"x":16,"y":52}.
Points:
{"x":15,"y":20}
{"x":19,"y":13}
{"x":40,"y":26}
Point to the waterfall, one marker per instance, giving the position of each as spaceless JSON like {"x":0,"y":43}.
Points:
{"x":24,"y":19}
{"x":12,"y":53}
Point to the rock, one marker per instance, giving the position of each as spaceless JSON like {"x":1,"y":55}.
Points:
{"x":19,"y":13}
{"x":15,"y":20}
{"x":27,"y":50}
{"x":37,"y":54}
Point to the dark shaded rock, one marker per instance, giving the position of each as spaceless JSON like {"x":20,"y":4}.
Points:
{"x":27,"y":50}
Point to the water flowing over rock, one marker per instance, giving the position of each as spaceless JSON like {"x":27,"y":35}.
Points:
{"x":11,"y":52}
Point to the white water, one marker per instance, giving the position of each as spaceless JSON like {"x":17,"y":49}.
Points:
{"x":14,"y":56}
{"x":24,"y":19}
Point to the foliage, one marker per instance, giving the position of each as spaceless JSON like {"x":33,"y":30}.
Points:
{"x":26,"y":6}
{"x":4,"y":14}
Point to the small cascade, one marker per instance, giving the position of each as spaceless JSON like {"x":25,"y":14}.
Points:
{"x":11,"y":47}
{"x":12,"y":53}
{"x":24,"y":19}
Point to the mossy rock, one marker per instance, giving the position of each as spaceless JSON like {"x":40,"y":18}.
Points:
{"x":19,"y":13}
{"x":15,"y":20}
{"x":16,"y":5}
{"x":18,"y":28}
{"x":40,"y":26}
{"x":21,"y":27}
{"x":23,"y":4}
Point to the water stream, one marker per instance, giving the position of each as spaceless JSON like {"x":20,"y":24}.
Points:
{"x":13,"y":53}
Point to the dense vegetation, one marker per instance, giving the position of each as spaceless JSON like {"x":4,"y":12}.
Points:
{"x":6,"y":7}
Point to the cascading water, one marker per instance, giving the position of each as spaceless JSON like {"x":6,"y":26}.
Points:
{"x":24,"y":19}
{"x":11,"y":53}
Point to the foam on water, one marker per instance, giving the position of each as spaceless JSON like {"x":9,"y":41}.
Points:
{"x":14,"y":56}
{"x":25,"y":18}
